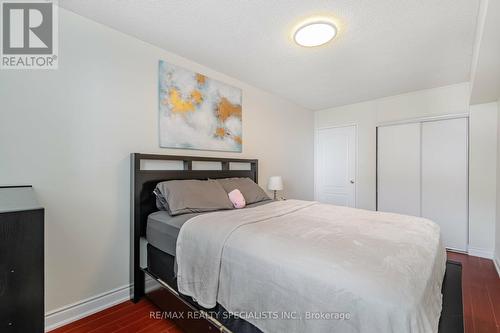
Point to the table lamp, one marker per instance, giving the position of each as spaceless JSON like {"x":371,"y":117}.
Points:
{"x":275,"y":184}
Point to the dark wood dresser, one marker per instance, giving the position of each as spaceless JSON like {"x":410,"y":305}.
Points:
{"x":21,"y":261}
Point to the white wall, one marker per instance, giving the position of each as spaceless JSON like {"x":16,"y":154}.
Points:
{"x":447,"y":100}
{"x":424,"y":103}
{"x":482,"y":178}
{"x":69,"y":132}
{"x":497,"y":225}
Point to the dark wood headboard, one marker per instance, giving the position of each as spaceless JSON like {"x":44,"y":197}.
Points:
{"x":143,"y":182}
{"x":143,"y":201}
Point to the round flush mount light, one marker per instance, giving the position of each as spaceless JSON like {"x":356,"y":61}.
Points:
{"x":315,"y":34}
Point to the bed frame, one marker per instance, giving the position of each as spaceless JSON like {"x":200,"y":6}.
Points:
{"x":143,"y":203}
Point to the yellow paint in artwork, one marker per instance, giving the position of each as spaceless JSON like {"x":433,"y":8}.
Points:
{"x":237,"y":139}
{"x":200,"y":78}
{"x":226,"y":109}
{"x":178,"y":104}
{"x":220,"y":132}
{"x":196,"y":97}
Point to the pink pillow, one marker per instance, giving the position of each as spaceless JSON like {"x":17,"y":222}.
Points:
{"x":237,"y":199}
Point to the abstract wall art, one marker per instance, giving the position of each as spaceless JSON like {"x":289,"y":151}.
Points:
{"x":197,"y":112}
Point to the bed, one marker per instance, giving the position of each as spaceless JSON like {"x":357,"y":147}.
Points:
{"x":290,"y":266}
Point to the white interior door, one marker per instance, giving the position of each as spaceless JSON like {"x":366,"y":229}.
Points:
{"x":444,"y":179}
{"x":398,"y":169}
{"x":335,"y":166}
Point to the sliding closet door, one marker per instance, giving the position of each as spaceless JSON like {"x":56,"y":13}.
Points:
{"x":398,"y":169}
{"x":444,"y":179}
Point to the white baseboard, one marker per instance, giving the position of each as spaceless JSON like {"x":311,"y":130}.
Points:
{"x":86,"y":307}
{"x":478,"y":252}
{"x":496,"y":261}
{"x":78,"y":310}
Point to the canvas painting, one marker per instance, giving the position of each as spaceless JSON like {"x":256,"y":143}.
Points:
{"x":197,"y":112}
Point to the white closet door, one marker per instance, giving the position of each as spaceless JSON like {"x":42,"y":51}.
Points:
{"x":444,"y":179}
{"x":336,"y":166}
{"x":398,"y":182}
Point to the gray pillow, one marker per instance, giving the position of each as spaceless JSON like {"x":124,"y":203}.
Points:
{"x":250,"y":190}
{"x":161,"y":202}
{"x":192,"y":196}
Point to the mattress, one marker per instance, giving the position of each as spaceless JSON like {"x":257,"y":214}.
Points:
{"x":349,"y":270}
{"x":163,"y":229}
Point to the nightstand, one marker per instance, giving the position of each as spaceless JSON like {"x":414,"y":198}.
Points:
{"x":21,"y":261}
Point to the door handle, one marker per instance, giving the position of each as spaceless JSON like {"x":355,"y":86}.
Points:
{"x":352,"y":181}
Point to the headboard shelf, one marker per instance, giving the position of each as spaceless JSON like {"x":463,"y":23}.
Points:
{"x":191,"y":158}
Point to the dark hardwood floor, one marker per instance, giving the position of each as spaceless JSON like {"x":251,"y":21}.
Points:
{"x":126,"y":317}
{"x":481,"y":294}
{"x":480,"y":286}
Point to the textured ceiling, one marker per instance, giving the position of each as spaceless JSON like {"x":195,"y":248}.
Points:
{"x":384,"y":47}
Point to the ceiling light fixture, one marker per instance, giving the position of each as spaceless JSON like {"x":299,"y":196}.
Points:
{"x":315,"y":34}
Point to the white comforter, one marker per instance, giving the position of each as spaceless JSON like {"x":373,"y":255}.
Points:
{"x":298,"y":266}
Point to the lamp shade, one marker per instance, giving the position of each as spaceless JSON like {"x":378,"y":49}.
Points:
{"x":275,"y":183}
